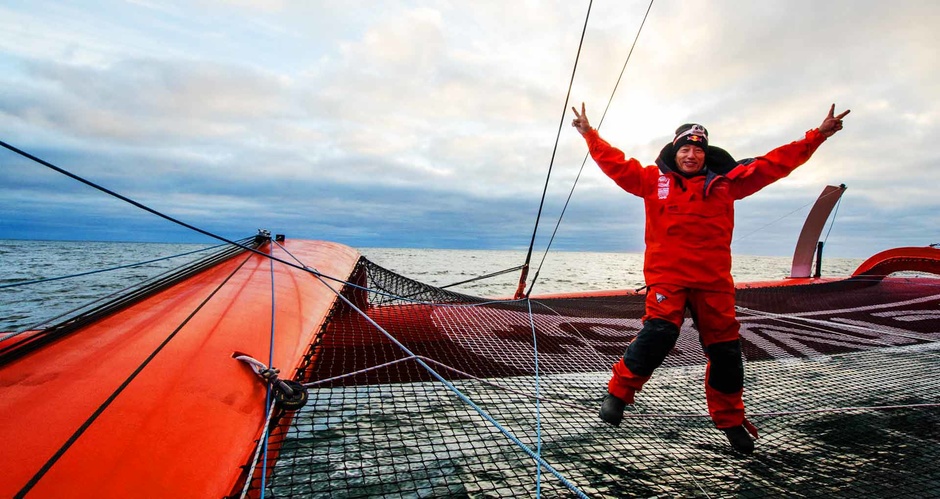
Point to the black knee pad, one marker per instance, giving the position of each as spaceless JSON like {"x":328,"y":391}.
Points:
{"x":727,"y":368}
{"x":652,"y":344}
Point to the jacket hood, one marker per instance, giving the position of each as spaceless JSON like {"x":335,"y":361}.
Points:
{"x":717,"y":161}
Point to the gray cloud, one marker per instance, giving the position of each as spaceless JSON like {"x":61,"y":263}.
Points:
{"x":423,"y":124}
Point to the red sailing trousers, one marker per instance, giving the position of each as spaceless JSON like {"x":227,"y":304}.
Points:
{"x":714,"y":315}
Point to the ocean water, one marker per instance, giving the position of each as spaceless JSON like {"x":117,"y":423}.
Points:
{"x":562,"y":271}
{"x":25,"y":306}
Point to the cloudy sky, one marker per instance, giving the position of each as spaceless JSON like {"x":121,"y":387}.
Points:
{"x":433,"y":123}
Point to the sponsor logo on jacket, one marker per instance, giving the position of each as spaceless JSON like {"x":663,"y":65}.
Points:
{"x":663,"y":187}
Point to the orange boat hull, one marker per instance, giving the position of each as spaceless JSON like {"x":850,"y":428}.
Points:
{"x":150,"y":401}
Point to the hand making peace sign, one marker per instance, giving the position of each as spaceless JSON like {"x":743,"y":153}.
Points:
{"x":832,"y":124}
{"x":580,"y":121}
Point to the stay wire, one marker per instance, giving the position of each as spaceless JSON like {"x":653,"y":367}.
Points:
{"x":159,"y":214}
{"x":35,"y":479}
{"x":832,"y":221}
{"x":120,"y":389}
{"x":587,"y":155}
{"x":561,"y":123}
{"x":99,"y":271}
{"x":453,"y":388}
{"x":119,"y":296}
{"x":486,"y":276}
{"x":122,"y":197}
{"x":749,"y":234}
{"x":82,"y":315}
{"x":423,"y":362}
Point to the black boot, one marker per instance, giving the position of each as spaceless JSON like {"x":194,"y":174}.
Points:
{"x":612,"y":410}
{"x":740,"y":439}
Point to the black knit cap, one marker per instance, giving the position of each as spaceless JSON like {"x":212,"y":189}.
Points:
{"x":691,"y":133}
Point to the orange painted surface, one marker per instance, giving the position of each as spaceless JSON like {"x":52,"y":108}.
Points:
{"x":922,"y":259}
{"x":188,"y":420}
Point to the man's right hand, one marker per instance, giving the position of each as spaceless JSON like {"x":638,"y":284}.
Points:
{"x":580,"y":121}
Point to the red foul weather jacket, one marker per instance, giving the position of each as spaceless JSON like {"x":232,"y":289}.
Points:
{"x":689,"y":220}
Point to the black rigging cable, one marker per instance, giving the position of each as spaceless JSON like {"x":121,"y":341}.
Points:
{"x":480,"y":278}
{"x":564,"y":113}
{"x":99,"y":271}
{"x":772,"y":222}
{"x":586,"y":155}
{"x":115,"y":194}
{"x":159,"y":214}
{"x":104,"y":405}
{"x":123,"y":299}
{"x":832,"y":221}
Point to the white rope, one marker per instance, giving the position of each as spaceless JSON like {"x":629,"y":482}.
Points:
{"x":675,"y":458}
{"x":636,"y":414}
{"x":749,"y":234}
{"x":791,"y":319}
{"x":591,"y":409}
{"x":845,"y":409}
{"x":601,"y":363}
{"x":424,"y":362}
{"x":385,"y":294}
{"x":363,"y":371}
{"x":525,"y":448}
{"x":256,"y":365}
{"x":261,"y":440}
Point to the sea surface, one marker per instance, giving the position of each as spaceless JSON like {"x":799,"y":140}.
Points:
{"x":830,"y":463}
{"x":25,"y":304}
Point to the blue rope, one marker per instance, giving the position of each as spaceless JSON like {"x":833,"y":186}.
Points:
{"x":457,"y":392}
{"x":538,"y":401}
{"x":108,"y":269}
{"x":535,"y":455}
{"x":268,"y":401}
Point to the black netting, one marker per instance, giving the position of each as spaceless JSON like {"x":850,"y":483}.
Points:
{"x":839,"y":380}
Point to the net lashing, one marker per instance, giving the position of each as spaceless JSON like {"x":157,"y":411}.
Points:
{"x":840,"y":380}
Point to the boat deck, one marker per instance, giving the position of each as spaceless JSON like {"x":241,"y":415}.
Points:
{"x":839,"y":381}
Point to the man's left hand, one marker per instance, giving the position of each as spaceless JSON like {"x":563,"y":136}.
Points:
{"x":832,"y":124}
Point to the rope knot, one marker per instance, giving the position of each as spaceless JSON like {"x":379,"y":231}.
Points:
{"x":288,"y":394}
{"x":269,"y":375}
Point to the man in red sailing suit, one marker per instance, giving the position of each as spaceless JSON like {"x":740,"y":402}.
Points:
{"x":689,"y":197}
